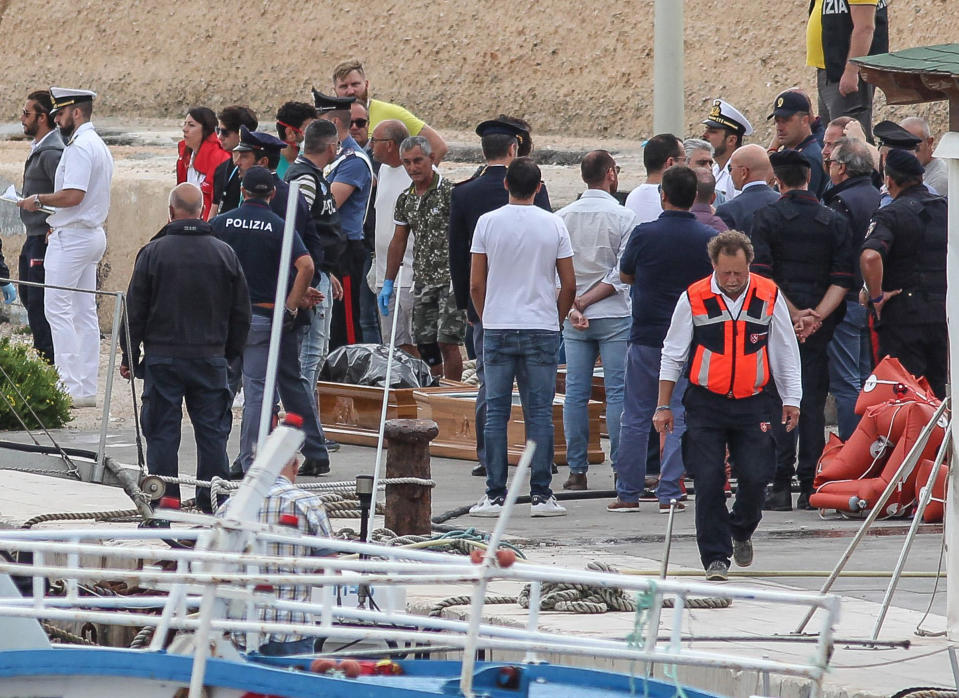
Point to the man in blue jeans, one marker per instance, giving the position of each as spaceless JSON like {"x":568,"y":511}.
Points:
{"x":850,"y":351}
{"x":662,"y":258}
{"x":256,"y":233}
{"x":598,"y":323}
{"x":518,"y":251}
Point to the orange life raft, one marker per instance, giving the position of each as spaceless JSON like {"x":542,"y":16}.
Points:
{"x":851,"y":476}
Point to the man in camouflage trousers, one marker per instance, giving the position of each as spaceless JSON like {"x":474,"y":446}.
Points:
{"x":423,"y":211}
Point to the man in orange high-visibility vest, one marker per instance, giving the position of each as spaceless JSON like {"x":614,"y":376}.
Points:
{"x":730,"y":332}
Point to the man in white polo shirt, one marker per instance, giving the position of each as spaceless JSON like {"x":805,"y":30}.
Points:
{"x":76,"y":242}
{"x":391,"y":182}
{"x":517,"y":252}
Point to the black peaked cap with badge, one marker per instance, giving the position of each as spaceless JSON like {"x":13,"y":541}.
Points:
{"x":504,"y":127}
{"x":257,"y":140}
{"x":784,"y":158}
{"x":904,"y":162}
{"x":326,"y":103}
{"x":67,"y":97}
{"x":893,"y":135}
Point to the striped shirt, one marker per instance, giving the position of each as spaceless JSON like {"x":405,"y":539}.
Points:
{"x":286,"y":498}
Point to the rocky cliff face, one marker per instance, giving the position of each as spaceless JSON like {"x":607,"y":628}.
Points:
{"x":580,"y":68}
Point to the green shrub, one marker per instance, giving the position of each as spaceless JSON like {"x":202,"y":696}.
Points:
{"x":37,"y":381}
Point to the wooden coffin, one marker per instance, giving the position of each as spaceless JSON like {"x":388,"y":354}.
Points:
{"x":454,"y":411}
{"x":598,"y":393}
{"x":350,"y":414}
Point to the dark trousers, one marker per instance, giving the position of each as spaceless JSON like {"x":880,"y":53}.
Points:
{"x":921,"y":349}
{"x":203,"y":384}
{"x":714,"y":423}
{"x":31,"y":269}
{"x":345,"y":327}
{"x":811,"y":432}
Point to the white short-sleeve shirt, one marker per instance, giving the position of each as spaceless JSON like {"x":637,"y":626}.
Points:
{"x":86,"y":165}
{"x":521,"y":244}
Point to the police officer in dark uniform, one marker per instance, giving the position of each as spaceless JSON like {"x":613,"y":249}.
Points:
{"x":806,"y":249}
{"x":190,"y":308}
{"x":903,"y":264}
{"x":471,"y":199}
{"x":892,"y":136}
{"x":256,"y":234}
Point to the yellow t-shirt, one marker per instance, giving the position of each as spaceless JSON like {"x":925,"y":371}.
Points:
{"x":384,"y":111}
{"x":814,"y":52}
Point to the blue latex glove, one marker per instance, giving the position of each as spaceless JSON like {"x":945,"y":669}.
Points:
{"x":9,"y":293}
{"x":383,"y":300}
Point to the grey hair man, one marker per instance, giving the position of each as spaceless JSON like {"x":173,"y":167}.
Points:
{"x":936,"y":173}
{"x":423,"y":210}
{"x":850,"y":351}
{"x":385,"y":142}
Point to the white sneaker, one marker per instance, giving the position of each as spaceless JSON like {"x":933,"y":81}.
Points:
{"x":487,"y":508}
{"x":546,"y":507}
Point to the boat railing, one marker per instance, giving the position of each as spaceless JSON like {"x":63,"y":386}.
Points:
{"x":241,"y":581}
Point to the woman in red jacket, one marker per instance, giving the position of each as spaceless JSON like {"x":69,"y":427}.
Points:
{"x":200,"y":153}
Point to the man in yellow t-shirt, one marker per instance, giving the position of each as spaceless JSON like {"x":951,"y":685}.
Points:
{"x":349,"y":80}
{"x":837,"y":31}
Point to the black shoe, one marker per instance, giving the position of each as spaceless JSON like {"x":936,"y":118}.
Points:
{"x":717,"y":571}
{"x":743,"y":552}
{"x":778,"y":500}
{"x":802,"y":501}
{"x":331,"y":446}
{"x":479,"y":470}
{"x":554,"y":469}
{"x":236,"y":472}
{"x":312,"y":468}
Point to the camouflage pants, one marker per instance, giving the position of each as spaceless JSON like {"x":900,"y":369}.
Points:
{"x":435,"y":316}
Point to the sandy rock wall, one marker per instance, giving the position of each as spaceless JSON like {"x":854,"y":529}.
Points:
{"x":567,"y":66}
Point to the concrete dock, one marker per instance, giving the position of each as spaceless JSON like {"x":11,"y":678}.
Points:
{"x":795,"y":541}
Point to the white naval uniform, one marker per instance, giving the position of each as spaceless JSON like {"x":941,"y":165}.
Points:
{"x":76,"y":245}
{"x":724,"y":182}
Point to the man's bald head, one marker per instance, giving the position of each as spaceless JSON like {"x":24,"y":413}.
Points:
{"x":749,"y":164}
{"x":186,"y":201}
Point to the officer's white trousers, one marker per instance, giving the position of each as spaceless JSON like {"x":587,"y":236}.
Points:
{"x":71,"y":261}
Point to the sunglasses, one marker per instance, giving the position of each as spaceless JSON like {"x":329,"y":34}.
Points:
{"x":223,"y":131}
{"x":359,"y":123}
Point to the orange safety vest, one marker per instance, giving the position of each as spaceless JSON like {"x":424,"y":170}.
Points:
{"x":729,"y":355}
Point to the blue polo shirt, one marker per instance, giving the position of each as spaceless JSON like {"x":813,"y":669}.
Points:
{"x":256,"y":235}
{"x":353,"y":171}
{"x":665,"y":256}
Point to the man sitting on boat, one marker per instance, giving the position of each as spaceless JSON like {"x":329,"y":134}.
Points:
{"x":288,"y":505}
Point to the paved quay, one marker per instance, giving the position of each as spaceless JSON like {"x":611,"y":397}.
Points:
{"x":796,"y":541}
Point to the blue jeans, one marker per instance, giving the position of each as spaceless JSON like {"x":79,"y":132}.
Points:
{"x":294,"y":395}
{"x":477,"y":327}
{"x":529,"y":357}
{"x":641,"y":394}
{"x":850,"y":363}
{"x":202,"y":383}
{"x":605,"y":337}
{"x":315,"y":344}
